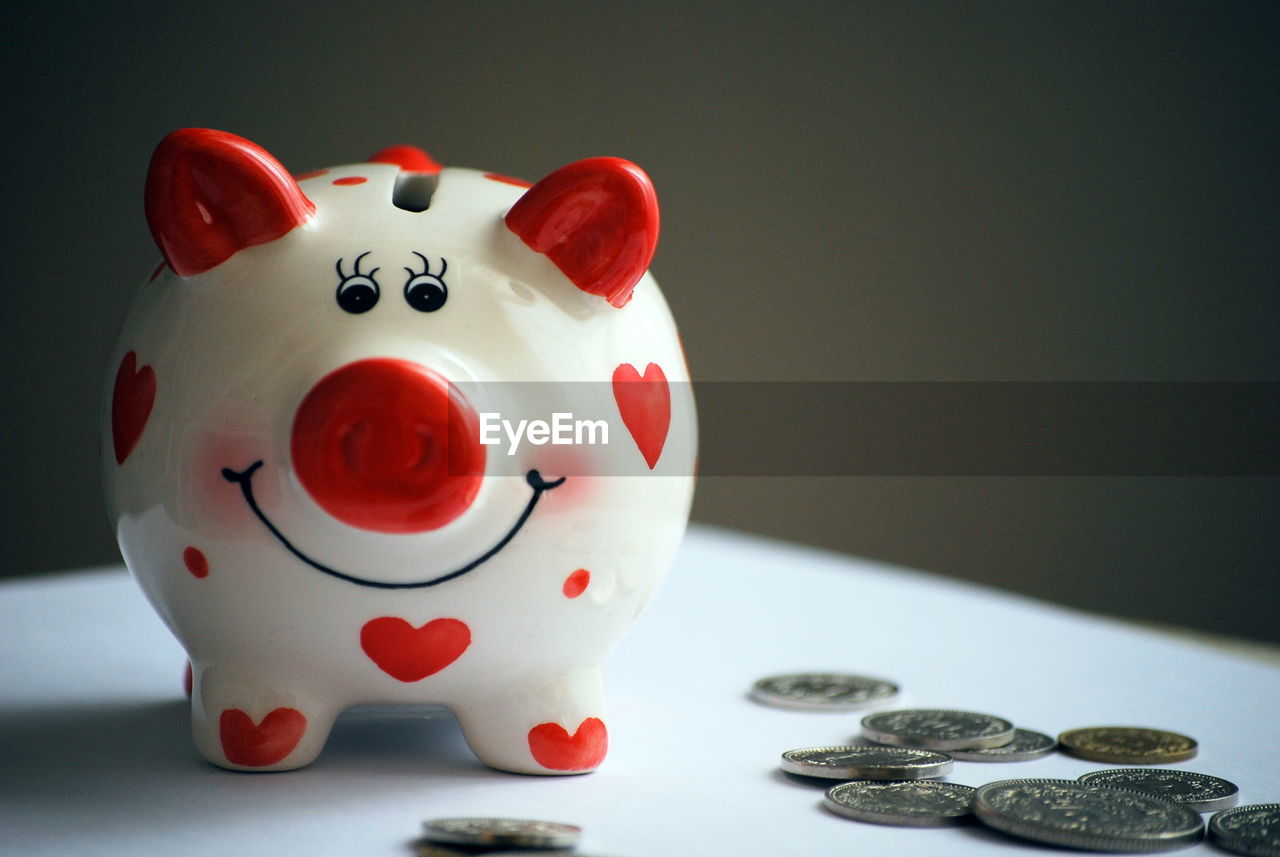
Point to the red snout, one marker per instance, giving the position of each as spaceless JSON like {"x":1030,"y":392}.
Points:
{"x":388,"y":445}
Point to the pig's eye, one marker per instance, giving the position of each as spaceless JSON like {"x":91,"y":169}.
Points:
{"x":357,"y":292}
{"x":425,"y":291}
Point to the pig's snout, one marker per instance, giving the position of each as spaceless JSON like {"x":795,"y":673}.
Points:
{"x":388,"y":445}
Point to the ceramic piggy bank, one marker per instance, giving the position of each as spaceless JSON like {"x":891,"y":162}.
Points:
{"x":304,"y":482}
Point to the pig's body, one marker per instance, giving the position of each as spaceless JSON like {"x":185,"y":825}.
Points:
{"x":297,"y":595}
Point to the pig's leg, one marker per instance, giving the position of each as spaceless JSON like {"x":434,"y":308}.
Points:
{"x":242,"y":722}
{"x":551,"y":725}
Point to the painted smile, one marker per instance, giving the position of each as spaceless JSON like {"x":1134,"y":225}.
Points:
{"x":244,"y":478}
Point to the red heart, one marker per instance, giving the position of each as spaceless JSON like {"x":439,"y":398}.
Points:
{"x":645,"y":406}
{"x":411,"y":654}
{"x":554,"y":748}
{"x":131,"y":402}
{"x":256,"y":746}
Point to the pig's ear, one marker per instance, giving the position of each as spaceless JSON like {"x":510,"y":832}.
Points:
{"x":210,"y":193}
{"x":597,"y":220}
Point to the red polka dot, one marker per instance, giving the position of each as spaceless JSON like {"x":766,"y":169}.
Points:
{"x":196,"y":562}
{"x":576,"y":583}
{"x":508,"y":180}
{"x":188,"y":680}
{"x":157,"y":271}
{"x":408,"y":158}
{"x":350,"y":180}
{"x":311,"y":175}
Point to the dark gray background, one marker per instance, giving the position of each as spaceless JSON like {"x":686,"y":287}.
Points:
{"x":851,"y":191}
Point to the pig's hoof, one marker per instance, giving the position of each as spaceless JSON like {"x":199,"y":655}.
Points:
{"x":560,"y":752}
{"x":245,"y":726}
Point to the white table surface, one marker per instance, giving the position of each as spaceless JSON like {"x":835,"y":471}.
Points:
{"x":95,"y":756}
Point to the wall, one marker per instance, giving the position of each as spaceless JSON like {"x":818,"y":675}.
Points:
{"x":851,"y":192}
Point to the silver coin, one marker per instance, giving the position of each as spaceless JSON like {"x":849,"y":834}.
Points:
{"x":866,"y":763}
{"x":822,"y":691}
{"x":1026,"y":745}
{"x":502,"y":832}
{"x":910,"y":804}
{"x":1253,"y":830}
{"x":427,"y":848}
{"x":1077,"y":815}
{"x":1200,"y":792}
{"x":937,"y":729}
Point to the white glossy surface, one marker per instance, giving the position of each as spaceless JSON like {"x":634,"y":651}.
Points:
{"x":95,"y":752}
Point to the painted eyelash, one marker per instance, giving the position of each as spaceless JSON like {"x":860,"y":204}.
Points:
{"x":426,"y":267}
{"x":356,"y":268}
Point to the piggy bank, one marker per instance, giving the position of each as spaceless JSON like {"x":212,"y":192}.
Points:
{"x":299,"y":444}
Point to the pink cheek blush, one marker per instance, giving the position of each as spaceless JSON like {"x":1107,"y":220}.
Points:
{"x":219,"y":503}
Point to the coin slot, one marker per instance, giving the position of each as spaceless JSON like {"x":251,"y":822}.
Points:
{"x":413,"y":191}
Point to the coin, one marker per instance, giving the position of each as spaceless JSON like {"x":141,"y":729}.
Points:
{"x":1026,"y":745}
{"x":1127,"y":745}
{"x":1077,"y":815}
{"x":822,"y":691}
{"x":427,"y":848}
{"x":1253,"y":830}
{"x":935,"y":729}
{"x":866,"y":763}
{"x":502,"y":832}
{"x":911,"y":804}
{"x":1199,"y":792}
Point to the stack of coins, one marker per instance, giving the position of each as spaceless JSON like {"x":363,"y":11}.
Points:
{"x":866,"y":763}
{"x":451,"y":837}
{"x":938,"y":729}
{"x":892,"y":776}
